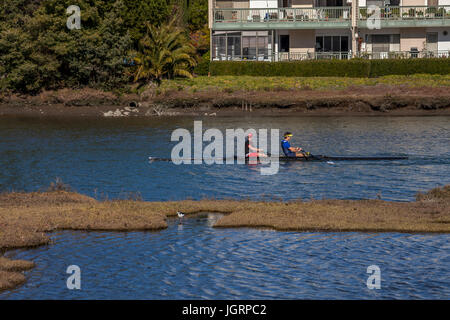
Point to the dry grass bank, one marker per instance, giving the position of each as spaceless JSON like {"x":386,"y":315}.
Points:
{"x":335,"y":215}
{"x":10,"y":272}
{"x":25,"y":218}
{"x":230,"y":96}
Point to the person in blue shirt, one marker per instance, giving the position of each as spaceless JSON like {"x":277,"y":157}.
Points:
{"x":288,"y":150}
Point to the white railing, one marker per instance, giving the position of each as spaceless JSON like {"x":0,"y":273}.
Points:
{"x":407,"y":13}
{"x":288,"y":56}
{"x":404,"y":54}
{"x":282,"y":15}
{"x":324,"y":14}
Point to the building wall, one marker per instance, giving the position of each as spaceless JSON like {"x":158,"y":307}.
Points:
{"x":263,"y":4}
{"x":412,"y":37}
{"x":302,"y":41}
{"x":225,"y":4}
{"x":443,"y":40}
{"x":413,"y":2}
{"x":302,"y":3}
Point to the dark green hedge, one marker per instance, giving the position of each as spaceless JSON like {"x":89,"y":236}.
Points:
{"x":409,"y":66}
{"x":202,"y":68}
{"x":355,"y":68}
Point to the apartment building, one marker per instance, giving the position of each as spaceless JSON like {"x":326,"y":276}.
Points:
{"x":279,"y":30}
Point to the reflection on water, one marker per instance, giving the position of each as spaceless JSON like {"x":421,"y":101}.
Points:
{"x":194,"y":261}
{"x":110,"y":156}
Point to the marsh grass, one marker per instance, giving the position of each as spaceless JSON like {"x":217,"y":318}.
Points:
{"x":10,"y":272}
{"x":248,"y":83}
{"x":26,"y":218}
{"x":436,"y":194}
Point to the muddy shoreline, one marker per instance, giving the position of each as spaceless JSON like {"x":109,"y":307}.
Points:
{"x":353,"y":101}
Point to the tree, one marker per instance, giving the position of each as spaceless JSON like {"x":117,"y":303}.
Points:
{"x":137,"y":13}
{"x":165,"y":52}
{"x":197,"y":14}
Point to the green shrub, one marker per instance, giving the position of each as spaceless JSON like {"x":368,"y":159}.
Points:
{"x":409,"y":66}
{"x":354,"y":68}
{"x":202,"y":67}
{"x":312,"y":68}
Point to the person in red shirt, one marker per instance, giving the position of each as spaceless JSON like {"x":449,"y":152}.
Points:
{"x":250,"y":150}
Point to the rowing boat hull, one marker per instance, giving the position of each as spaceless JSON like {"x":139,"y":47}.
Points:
{"x":309,"y":158}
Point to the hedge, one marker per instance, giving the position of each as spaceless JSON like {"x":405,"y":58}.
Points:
{"x":355,"y":68}
{"x":409,"y":66}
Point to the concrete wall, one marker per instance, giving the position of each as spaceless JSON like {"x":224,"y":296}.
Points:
{"x":226,"y":4}
{"x":412,"y":37}
{"x":263,"y":4}
{"x":302,"y":41}
{"x":302,"y":3}
{"x":413,"y":2}
{"x":443,"y":40}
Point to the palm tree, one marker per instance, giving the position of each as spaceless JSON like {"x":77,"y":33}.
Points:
{"x":165,"y":52}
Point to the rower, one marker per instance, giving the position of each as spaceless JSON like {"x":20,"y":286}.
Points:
{"x":250,"y":150}
{"x":288,"y":150}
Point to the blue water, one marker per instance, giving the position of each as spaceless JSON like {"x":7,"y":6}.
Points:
{"x":195,"y":261}
{"x":109,"y":158}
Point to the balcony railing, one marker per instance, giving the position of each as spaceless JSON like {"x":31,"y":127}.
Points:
{"x":407,"y":13}
{"x":282,"y":15}
{"x":292,"y":56}
{"x":404,"y":54}
{"x":326,"y":14}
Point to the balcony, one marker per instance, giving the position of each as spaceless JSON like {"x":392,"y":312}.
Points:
{"x":329,"y":18}
{"x":406,"y":16}
{"x":282,"y":18}
{"x":286,"y":56}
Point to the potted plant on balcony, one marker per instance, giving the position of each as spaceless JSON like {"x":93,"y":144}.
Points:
{"x":411,"y":13}
{"x":440,"y":13}
{"x":395,"y":12}
{"x":431,"y":12}
{"x":363,"y":13}
{"x":419,"y":14}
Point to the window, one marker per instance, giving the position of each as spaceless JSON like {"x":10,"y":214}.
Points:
{"x":249,"y":47}
{"x":432,"y":41}
{"x":284,"y":43}
{"x":232,"y":45}
{"x":219,"y":47}
{"x":384,"y":42}
{"x":332,"y":44}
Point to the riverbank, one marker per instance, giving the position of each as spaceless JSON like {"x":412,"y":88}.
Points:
{"x":237,"y":96}
{"x":26,"y":218}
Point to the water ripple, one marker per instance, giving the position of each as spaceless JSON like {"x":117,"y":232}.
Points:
{"x":199,"y":262}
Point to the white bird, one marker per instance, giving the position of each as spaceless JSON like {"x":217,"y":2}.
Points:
{"x":180,"y":215}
